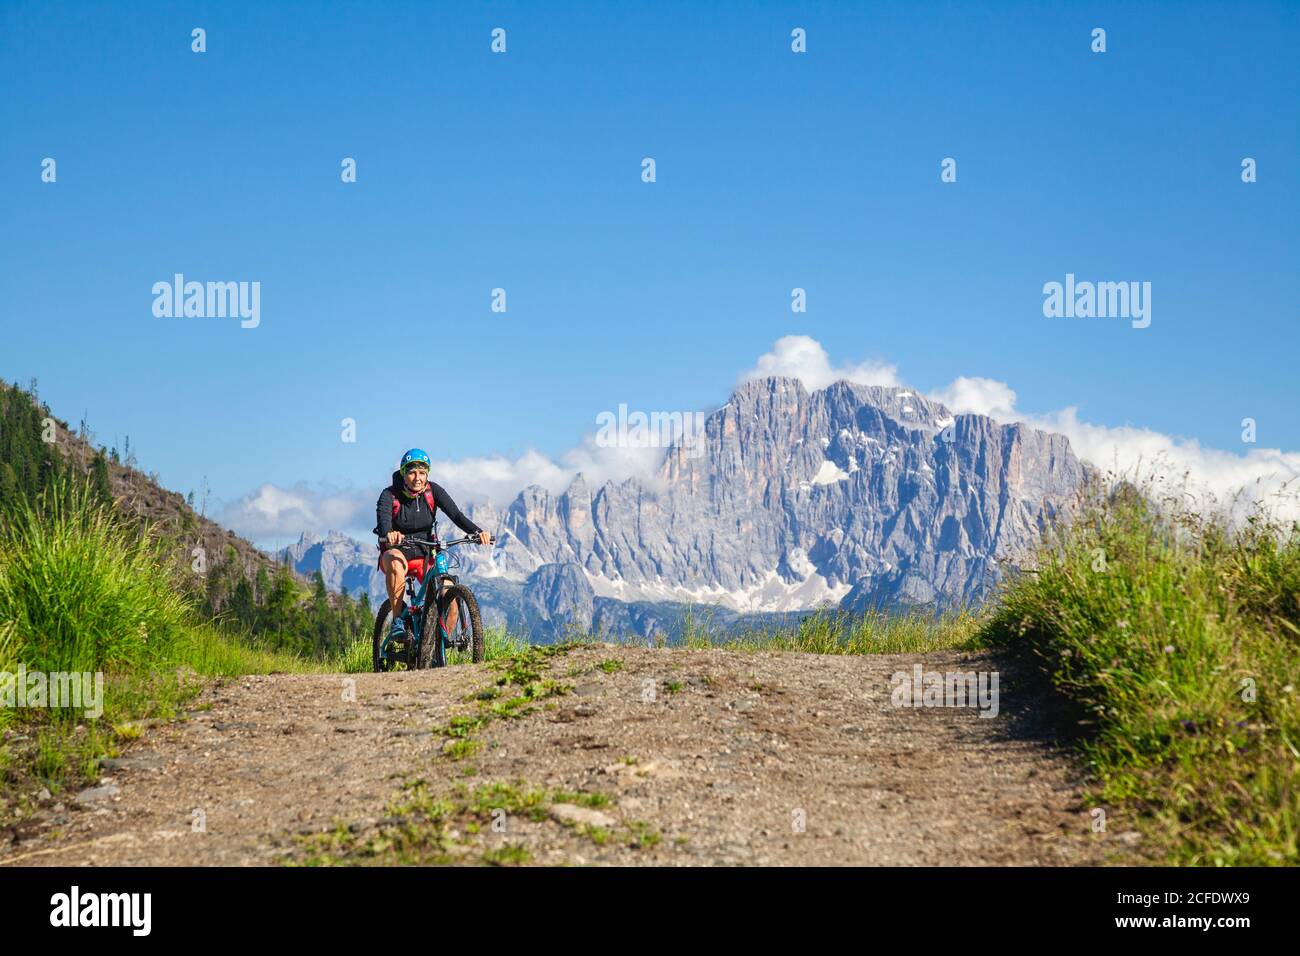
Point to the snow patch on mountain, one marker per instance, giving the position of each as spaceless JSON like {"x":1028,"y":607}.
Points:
{"x":829,"y":473}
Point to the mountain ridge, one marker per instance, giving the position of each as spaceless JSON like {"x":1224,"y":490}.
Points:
{"x":853,"y":496}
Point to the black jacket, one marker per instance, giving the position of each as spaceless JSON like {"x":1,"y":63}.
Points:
{"x":413,"y":514}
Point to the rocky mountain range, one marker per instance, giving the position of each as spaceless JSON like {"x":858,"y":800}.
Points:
{"x":853,"y":496}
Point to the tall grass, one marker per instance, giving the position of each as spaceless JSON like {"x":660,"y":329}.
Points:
{"x":834,"y":631}
{"x":1176,"y":635}
{"x":83,"y":592}
{"x":825,"y":631}
{"x":8,"y":664}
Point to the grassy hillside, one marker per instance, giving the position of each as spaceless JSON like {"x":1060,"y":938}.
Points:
{"x":36,"y":447}
{"x":240,"y":588}
{"x":100,"y":573}
{"x":82,"y":591}
{"x":1177,"y":638}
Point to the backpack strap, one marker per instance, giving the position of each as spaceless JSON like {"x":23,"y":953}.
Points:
{"x":433,"y":514}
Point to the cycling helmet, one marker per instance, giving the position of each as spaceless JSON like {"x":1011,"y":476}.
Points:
{"x":416,"y":456}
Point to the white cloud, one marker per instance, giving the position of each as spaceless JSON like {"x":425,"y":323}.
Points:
{"x":1259,"y":474}
{"x":500,"y":479}
{"x":978,"y":396}
{"x":271,"y":512}
{"x":1255,"y":475}
{"x":801,"y":357}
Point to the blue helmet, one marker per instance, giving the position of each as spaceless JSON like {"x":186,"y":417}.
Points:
{"x":416,"y":456}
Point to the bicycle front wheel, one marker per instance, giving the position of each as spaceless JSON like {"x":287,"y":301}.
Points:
{"x":431,"y":654}
{"x":468,"y":631}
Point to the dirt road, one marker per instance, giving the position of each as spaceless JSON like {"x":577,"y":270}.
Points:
{"x":592,"y":755}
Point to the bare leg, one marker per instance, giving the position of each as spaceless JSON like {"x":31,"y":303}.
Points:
{"x":394,"y":563}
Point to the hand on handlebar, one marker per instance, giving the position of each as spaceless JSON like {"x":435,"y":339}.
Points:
{"x":394,"y":537}
{"x":484,"y":538}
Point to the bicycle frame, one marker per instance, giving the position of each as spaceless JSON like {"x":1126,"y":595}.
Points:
{"x":416,"y":610}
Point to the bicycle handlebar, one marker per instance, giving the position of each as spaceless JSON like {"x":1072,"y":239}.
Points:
{"x":468,"y":539}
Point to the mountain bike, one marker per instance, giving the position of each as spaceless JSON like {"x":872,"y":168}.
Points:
{"x":427,"y":639}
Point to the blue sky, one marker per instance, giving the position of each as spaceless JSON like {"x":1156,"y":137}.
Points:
{"x":522,"y":171}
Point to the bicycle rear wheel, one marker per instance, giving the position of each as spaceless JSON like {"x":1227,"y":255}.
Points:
{"x":383,"y":623}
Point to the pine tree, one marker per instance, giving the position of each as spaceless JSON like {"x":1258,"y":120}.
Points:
{"x":33,"y":465}
{"x":280,"y":605}
{"x":214,"y":593}
{"x":320,"y":613}
{"x":99,"y":486}
{"x":242,"y":607}
{"x":10,"y":493}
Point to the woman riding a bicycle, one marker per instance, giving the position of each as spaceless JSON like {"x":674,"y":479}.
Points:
{"x":408,"y":507}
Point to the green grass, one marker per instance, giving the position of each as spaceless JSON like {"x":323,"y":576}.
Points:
{"x":357,"y":657}
{"x":827,"y":631}
{"x":498,"y":644}
{"x":593,"y":799}
{"x":833,"y":631}
{"x":521,"y":672}
{"x":524,"y":668}
{"x":1176,"y":637}
{"x":422,"y":827}
{"x":83,"y":592}
{"x":506,"y":855}
{"x":461,"y":749}
{"x":643,"y":835}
